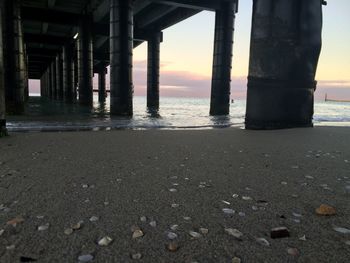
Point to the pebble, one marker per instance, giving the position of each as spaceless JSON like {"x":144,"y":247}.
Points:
{"x":187,"y":218}
{"x":93,"y":219}
{"x":153,"y":223}
{"x":293,"y":252}
{"x":105,"y":241}
{"x":236,"y":260}
{"x":247,"y":198}
{"x":172,"y":246}
{"x":11,"y":247}
{"x":85,"y":186}
{"x":14,"y":222}
{"x":1,"y":232}
{"x":204,"y":231}
{"x":68,"y":231}
{"x":136,"y":256}
{"x":171,"y":235}
{"x":242,"y":214}
{"x":234,"y":232}
{"x":325,"y":210}
{"x":143,"y":219}
{"x":303,"y":238}
{"x":279,"y":232}
{"x":44,"y":227}
{"x":195,"y":234}
{"x":174,"y":227}
{"x":78,"y":225}
{"x":297,"y":214}
{"x":255,"y":208}
{"x":235,"y":195}
{"x":173,"y":190}
{"x":263,"y":241}
{"x":85,"y":258}
{"x":347,"y":242}
{"x":225,"y":202}
{"x":175,"y":205}
{"x":342,"y":230}
{"x":228,"y":211}
{"x":137,"y":234}
{"x":40,"y":217}
{"x":284,"y":183}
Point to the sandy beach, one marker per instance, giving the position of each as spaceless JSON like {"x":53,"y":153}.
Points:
{"x":204,"y":181}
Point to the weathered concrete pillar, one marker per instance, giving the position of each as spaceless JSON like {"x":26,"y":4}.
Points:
{"x":102,"y":84}
{"x":121,"y":52}
{"x":3,"y":131}
{"x":14,"y":57}
{"x":153,"y":65}
{"x":68,"y":79}
{"x":53,"y":80}
{"x":85,"y":62}
{"x":222,"y":63}
{"x":285,"y":47}
{"x":49,"y":82}
{"x":59,"y":77}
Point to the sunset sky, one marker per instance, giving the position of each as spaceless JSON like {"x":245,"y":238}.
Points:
{"x":186,"y":55}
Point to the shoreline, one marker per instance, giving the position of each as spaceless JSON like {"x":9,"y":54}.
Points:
{"x":129,"y":175}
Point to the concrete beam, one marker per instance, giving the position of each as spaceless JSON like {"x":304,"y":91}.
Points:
{"x":50,"y":16}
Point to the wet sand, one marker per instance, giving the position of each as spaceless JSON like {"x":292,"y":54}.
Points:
{"x":120,"y":176}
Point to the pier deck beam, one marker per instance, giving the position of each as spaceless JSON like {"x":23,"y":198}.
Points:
{"x":85,"y":62}
{"x":222,"y":63}
{"x":102,"y":84}
{"x":14,"y":57}
{"x":68,"y":73}
{"x":3,"y":131}
{"x":121,"y":53}
{"x":285,"y":47}
{"x":153,"y":65}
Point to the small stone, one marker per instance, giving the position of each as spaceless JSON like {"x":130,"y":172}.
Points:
{"x":341,"y":230}
{"x":247,"y":198}
{"x":242,"y":214}
{"x":293,"y":252}
{"x":325,"y":210}
{"x":106,"y":203}
{"x":295,"y":167}
{"x":309,"y":177}
{"x":14,"y":222}
{"x":175,"y":205}
{"x":234,"y":232}
{"x":44,"y":227}
{"x":187,"y":218}
{"x":137,"y":234}
{"x":236,"y":260}
{"x":68,"y":231}
{"x":1,"y":232}
{"x":235,"y":195}
{"x":279,"y":232}
{"x":347,"y":242}
{"x":171,"y":235}
{"x":297,"y":214}
{"x":174,"y":227}
{"x":153,"y":223}
{"x":136,"y":256}
{"x":85,"y":258}
{"x":228,"y":211}
{"x":11,"y":247}
{"x":105,"y":241}
{"x":263,"y":242}
{"x":93,"y":219}
{"x":303,"y":238}
{"x":78,"y":225}
{"x":40,"y":217}
{"x":284,"y":183}
{"x":173,"y":190}
{"x":255,"y":208}
{"x":204,"y":231}
{"x":173,"y":246}
{"x":143,"y":219}
{"x":225,"y":202}
{"x":85,"y":186}
{"x":195,"y":234}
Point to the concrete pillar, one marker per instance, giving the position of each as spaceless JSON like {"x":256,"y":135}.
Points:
{"x":121,"y":52}
{"x":222,"y":61}
{"x":102,"y":84}
{"x":49,"y":82}
{"x":26,"y":75}
{"x":85,"y":62}
{"x":14,"y":57}
{"x":68,"y":79}
{"x":285,"y":47}
{"x":2,"y":80}
{"x":53,"y":80}
{"x":153,"y":64}
{"x":59,"y":77}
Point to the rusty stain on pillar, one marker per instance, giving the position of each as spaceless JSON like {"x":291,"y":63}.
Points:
{"x":121,"y":53}
{"x":222,"y":62}
{"x":68,"y":79}
{"x":85,"y":62}
{"x":102,"y":84}
{"x":14,"y":57}
{"x":3,"y":131}
{"x":153,"y":64}
{"x":59,"y":77}
{"x":285,"y":47}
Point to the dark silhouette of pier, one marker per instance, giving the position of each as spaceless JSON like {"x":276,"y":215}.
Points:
{"x":63,"y":43}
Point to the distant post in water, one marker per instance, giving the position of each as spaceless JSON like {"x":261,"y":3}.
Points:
{"x":222,"y":61}
{"x":3,"y":131}
{"x":121,"y":52}
{"x":285,"y":47}
{"x":102,"y":71}
{"x":153,"y":65}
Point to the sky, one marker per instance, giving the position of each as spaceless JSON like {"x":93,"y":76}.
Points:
{"x":187,"y":52}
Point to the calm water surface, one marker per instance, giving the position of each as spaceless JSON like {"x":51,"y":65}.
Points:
{"x":175,"y":113}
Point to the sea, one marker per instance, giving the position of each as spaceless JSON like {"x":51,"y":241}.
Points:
{"x":174,"y":113}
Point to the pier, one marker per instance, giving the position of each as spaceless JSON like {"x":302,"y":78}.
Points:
{"x":63,"y":44}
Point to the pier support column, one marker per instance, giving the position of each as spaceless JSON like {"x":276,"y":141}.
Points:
{"x":85,"y":62}
{"x":53,"y":80}
{"x":14,"y":57}
{"x":285,"y":47}
{"x":102,"y":84}
{"x":3,"y":131}
{"x":59,"y":77}
{"x":121,"y":52}
{"x":68,"y":78}
{"x":222,"y":63}
{"x":153,"y":64}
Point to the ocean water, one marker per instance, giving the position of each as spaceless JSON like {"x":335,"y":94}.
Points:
{"x":174,"y":113}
